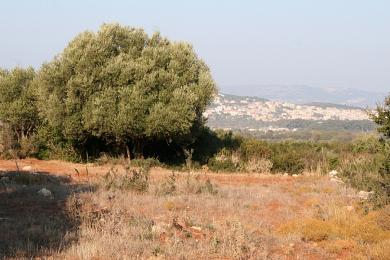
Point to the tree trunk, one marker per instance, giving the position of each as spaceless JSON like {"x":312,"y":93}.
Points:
{"x":138,"y":149}
{"x":128,"y":153}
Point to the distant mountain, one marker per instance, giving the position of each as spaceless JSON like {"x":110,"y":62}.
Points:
{"x":231,"y":97}
{"x":324,"y":105}
{"x":301,"y":94}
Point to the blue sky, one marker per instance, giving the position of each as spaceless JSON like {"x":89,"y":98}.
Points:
{"x":322,"y":43}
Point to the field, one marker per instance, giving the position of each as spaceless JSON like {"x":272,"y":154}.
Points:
{"x":116,"y":212}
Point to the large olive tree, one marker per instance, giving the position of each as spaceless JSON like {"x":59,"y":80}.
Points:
{"x":120,"y":83}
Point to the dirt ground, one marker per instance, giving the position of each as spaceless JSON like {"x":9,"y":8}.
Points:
{"x":184,"y":215}
{"x":84,"y":172}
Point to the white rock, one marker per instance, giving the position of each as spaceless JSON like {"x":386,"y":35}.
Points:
{"x":27,"y":168}
{"x":364,"y":195}
{"x":336,"y":179}
{"x":45,"y":192}
{"x":295,"y":175}
{"x":333,"y":173}
{"x":159,"y":228}
{"x":195,"y":228}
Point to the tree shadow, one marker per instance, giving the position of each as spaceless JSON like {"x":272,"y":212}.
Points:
{"x":31,"y":224}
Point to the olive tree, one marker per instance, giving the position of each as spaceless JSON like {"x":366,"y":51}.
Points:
{"x":121,"y":83}
{"x":18,"y":108}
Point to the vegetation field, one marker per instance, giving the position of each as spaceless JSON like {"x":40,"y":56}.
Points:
{"x":119,"y":212}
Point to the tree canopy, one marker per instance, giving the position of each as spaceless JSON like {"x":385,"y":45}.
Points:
{"x":17,"y":102}
{"x":123,"y":85}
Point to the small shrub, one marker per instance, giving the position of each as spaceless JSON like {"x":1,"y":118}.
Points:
{"x":149,"y":162}
{"x":251,"y":148}
{"x":365,"y":230}
{"x":333,"y":163}
{"x":380,"y":250}
{"x":310,"y":229}
{"x":367,"y":144}
{"x":259,"y":165}
{"x":136,"y":180}
{"x":224,"y":166}
{"x":338,"y":246}
{"x":107,"y":159}
{"x":168,"y":187}
{"x":194,"y":185}
{"x":225,"y":160}
{"x":169,"y":205}
{"x":64,"y":152}
{"x":27,"y":147}
{"x":207,"y":187}
{"x":383,"y":218}
{"x":369,"y":173}
{"x":287,"y":162}
{"x":341,"y":224}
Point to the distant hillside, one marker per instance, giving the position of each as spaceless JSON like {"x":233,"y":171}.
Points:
{"x":239,"y":98}
{"x":324,"y":105}
{"x":258,"y":114}
{"x":300,"y":94}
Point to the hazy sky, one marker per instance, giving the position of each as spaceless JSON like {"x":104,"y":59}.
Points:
{"x":321,"y":43}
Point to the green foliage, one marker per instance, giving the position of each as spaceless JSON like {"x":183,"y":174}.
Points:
{"x":216,"y":164}
{"x":18,"y":109}
{"x":51,"y":145}
{"x":369,"y":174}
{"x":120,"y":84}
{"x":333,"y":163}
{"x":382,"y":117}
{"x":252,"y":148}
{"x":367,"y":167}
{"x":367,"y":144}
{"x":287,"y":162}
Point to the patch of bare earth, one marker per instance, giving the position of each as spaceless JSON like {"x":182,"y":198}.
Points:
{"x":204,"y":216}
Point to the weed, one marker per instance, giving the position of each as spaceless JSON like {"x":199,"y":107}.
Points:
{"x":168,"y":187}
{"x":340,"y":225}
{"x":134,"y":179}
{"x":207,"y":187}
{"x":226,"y":165}
{"x":169,"y":205}
{"x":310,"y":229}
{"x":146,"y":163}
{"x":258,"y":165}
{"x":383,"y":218}
{"x":193,"y":184}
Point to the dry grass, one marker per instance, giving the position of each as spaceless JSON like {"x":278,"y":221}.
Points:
{"x":342,"y":230}
{"x":203,"y":216}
